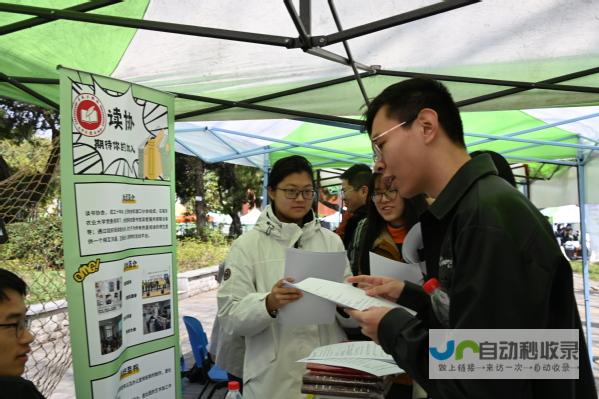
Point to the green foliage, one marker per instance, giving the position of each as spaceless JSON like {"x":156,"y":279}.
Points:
{"x":194,"y":254}
{"x":29,"y":156}
{"x":593,"y":269}
{"x":211,"y":197}
{"x":187,"y":169}
{"x":19,"y":121}
{"x":38,"y":243}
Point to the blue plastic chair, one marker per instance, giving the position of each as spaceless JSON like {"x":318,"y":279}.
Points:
{"x":199,"y":347}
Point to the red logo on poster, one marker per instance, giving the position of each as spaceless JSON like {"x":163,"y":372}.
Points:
{"x":89,"y":117}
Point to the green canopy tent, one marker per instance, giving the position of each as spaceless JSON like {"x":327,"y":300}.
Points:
{"x":266,"y":59}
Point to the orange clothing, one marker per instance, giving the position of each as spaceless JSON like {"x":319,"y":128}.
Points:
{"x":397,"y":233}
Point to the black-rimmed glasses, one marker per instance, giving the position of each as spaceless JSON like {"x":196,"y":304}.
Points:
{"x":293,"y":193}
{"x":20,"y":327}
{"x":391,"y":195}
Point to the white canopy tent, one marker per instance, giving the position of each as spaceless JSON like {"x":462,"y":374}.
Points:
{"x":315,"y":61}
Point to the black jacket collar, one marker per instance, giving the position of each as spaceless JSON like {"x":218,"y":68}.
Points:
{"x":460,"y":183}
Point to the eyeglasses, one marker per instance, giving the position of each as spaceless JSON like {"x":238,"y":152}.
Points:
{"x":20,"y":327}
{"x":293,"y":193}
{"x":377,"y":151}
{"x":391,"y":195}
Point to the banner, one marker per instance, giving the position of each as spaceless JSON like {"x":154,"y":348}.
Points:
{"x":118,"y":196}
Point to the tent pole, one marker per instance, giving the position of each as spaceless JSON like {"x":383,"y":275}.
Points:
{"x":585,"y":256}
{"x":349,"y":53}
{"x":507,"y":92}
{"x":493,"y":82}
{"x":396,"y":20}
{"x":29,"y":23}
{"x":265,"y":169}
{"x":293,"y":143}
{"x":159,"y":26}
{"x":267,"y":148}
{"x":542,"y":127}
{"x":532,"y":141}
{"x":340,"y":121}
{"x":278,"y":94}
{"x":233,"y":148}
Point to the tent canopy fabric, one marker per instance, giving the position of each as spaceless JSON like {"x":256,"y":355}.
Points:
{"x":278,"y":66}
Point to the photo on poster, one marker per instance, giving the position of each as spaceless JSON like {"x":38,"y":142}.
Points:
{"x":156,"y":284}
{"x":109,"y":295}
{"x":111,"y":334}
{"x":124,"y":279}
{"x":157,"y":316}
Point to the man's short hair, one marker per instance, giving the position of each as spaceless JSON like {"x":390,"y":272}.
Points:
{"x":405,"y":99}
{"x":10,"y":281}
{"x":357,"y":175}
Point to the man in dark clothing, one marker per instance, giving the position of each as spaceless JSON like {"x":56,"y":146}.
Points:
{"x":354,"y":186}
{"x":493,"y":252}
{"x":15,"y":338}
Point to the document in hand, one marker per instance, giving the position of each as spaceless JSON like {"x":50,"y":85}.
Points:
{"x":381,"y":266}
{"x":311,"y":309}
{"x":344,"y":295}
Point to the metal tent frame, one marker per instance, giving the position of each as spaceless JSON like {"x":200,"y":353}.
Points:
{"x":315,"y":46}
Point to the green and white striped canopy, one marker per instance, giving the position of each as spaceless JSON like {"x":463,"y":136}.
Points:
{"x":180,"y":46}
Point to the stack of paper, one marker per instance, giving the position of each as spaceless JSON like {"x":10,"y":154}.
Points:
{"x":349,"y":370}
{"x":365,"y":356}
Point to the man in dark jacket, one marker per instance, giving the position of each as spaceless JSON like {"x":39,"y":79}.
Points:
{"x":354,"y":186}
{"x":493,"y":252}
{"x":15,"y":338}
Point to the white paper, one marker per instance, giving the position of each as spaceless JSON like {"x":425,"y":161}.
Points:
{"x":355,"y":350}
{"x":311,"y":309}
{"x":381,"y":266}
{"x":376,"y":367}
{"x":345,"y":295}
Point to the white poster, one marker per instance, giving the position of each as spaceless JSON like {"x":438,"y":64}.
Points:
{"x":124,"y":216}
{"x":147,"y":376}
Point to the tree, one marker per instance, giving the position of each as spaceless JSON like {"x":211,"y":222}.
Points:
{"x":18,"y":124}
{"x":219,"y":187}
{"x":189,"y":185}
{"x":233,"y":184}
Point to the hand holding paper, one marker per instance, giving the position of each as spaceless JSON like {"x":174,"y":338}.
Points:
{"x":343,"y":294}
{"x":369,"y":320}
{"x":282,"y":294}
{"x":385,"y":287}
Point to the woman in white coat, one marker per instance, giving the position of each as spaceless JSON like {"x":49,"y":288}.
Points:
{"x":252,"y":291}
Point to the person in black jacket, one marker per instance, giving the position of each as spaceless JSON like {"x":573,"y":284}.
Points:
{"x":493,"y":252}
{"x":354,"y":186}
{"x":15,"y":338}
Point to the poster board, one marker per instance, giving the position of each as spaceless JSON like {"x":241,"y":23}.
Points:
{"x":118,"y":196}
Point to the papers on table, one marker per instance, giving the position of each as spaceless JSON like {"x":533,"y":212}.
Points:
{"x":344,"y":295}
{"x":364,"y":356}
{"x":357,"y":350}
{"x":311,"y":309}
{"x":381,"y":266}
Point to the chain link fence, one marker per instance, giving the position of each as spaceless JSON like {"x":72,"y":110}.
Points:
{"x":30,"y":211}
